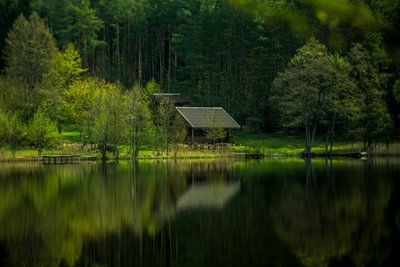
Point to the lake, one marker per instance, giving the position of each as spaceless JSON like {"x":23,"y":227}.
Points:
{"x":272,"y":212}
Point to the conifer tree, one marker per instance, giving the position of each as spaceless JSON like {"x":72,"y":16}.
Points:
{"x":32,"y":60}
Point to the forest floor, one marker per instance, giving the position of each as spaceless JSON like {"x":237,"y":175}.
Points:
{"x":268,"y":144}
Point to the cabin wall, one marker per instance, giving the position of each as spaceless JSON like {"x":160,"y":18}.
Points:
{"x":200,"y":137}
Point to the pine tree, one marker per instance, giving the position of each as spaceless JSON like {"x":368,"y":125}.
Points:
{"x":30,"y":50}
{"x":32,"y":60}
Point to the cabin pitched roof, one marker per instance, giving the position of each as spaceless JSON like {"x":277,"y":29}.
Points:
{"x":198,"y":117}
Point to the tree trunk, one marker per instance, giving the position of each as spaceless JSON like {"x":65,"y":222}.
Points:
{"x":161,"y":58}
{"x":329,"y":136}
{"x":103,"y":154}
{"x":306,"y":145}
{"x":136,"y":142}
{"x":140,"y":60}
{"x":118,"y":55}
{"x":332,"y":133}
{"x":169,"y":63}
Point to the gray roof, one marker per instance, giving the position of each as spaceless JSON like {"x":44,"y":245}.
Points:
{"x":199,"y":117}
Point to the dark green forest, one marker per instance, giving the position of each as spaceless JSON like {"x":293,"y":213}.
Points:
{"x":319,"y":67}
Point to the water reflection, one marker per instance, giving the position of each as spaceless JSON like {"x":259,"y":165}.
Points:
{"x":217,"y":213}
{"x":331,"y":215}
{"x":201,"y":195}
{"x":47,"y":212}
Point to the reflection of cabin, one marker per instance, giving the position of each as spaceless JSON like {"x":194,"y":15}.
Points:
{"x":205,"y":195}
{"x":197,"y":121}
{"x":210,"y":171}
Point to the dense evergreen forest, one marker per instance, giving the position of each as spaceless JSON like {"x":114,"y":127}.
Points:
{"x":321,"y":67}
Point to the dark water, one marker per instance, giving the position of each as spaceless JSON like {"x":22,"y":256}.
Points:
{"x":201,"y":213}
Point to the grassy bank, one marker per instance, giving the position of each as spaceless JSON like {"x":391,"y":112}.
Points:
{"x":284,"y":144}
{"x":268,"y":144}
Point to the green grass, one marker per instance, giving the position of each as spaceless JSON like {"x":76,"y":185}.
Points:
{"x":67,"y":136}
{"x":268,"y":144}
{"x":275,"y":143}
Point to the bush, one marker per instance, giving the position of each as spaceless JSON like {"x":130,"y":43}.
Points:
{"x":41,"y":131}
{"x":12,"y":131}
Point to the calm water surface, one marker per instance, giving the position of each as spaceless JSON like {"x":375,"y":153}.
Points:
{"x":287,"y":212}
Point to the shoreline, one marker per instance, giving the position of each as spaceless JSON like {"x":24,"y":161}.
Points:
{"x":226,"y":154}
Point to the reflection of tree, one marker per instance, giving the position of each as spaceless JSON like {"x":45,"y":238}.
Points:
{"x":47,"y":213}
{"x":333,"y":217}
{"x":213,"y":170}
{"x":53,"y":214}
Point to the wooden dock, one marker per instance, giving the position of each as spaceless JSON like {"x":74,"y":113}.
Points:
{"x":61,"y":159}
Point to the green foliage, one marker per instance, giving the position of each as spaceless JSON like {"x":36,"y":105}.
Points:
{"x":30,"y":50}
{"x":72,"y":21}
{"x":376,"y":123}
{"x":33,"y":65}
{"x":72,"y":63}
{"x":218,"y":53}
{"x":165,"y":119}
{"x":396,"y":90}
{"x":12,"y":131}
{"x":214,"y":130}
{"x":84,"y":27}
{"x":314,"y":87}
{"x":79,"y":96}
{"x":14,"y":96}
{"x":225,"y":55}
{"x":140,"y":117}
{"x":178,"y":130}
{"x":9,"y":11}
{"x":67,"y":68}
{"x":41,"y":131}
{"x":109,"y":118}
{"x":330,"y":19}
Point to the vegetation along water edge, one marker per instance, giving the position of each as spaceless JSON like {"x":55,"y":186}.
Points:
{"x":183,"y":79}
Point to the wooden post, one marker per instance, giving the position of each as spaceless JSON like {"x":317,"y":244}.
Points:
{"x":192,"y":135}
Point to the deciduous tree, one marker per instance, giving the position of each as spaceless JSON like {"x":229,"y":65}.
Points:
{"x":376,"y":123}
{"x":139,"y":116}
{"x":12,"y":131}
{"x":309,"y":91}
{"x":109,"y":118}
{"x":215,"y":130}
{"x":41,"y":131}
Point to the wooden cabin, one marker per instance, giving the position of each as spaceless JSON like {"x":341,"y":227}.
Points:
{"x":198,"y":121}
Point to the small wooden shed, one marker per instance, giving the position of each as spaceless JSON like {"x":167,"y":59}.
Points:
{"x":197,"y":120}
